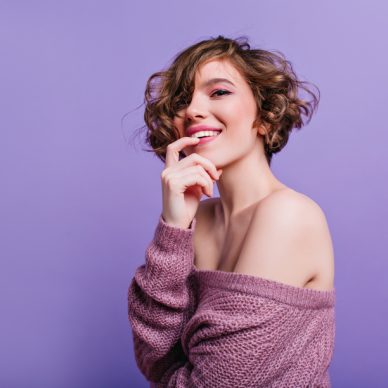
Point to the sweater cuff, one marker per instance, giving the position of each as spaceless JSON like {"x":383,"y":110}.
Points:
{"x":170,"y":238}
{"x":191,"y":226}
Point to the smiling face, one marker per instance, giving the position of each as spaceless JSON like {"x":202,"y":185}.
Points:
{"x":226,"y":104}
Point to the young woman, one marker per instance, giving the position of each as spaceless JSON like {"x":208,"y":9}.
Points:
{"x":236,"y":291}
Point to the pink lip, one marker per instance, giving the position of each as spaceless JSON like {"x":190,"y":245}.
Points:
{"x":198,"y":128}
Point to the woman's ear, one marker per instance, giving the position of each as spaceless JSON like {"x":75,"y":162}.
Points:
{"x":263,"y":128}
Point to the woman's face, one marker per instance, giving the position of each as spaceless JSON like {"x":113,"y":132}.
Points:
{"x":228,"y":105}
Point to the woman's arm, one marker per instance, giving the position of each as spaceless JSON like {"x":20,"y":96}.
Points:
{"x":161,"y":300}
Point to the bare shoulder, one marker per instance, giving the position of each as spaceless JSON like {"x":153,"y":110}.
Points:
{"x":289,"y":241}
{"x":288,"y":205}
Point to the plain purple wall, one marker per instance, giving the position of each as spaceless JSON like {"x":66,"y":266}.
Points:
{"x":79,"y":204}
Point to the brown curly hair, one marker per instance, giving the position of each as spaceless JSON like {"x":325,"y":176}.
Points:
{"x":271,"y":77}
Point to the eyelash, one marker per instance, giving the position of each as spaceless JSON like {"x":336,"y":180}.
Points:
{"x":220,"y":90}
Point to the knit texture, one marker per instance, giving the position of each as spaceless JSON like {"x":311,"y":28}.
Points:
{"x":217,"y":329}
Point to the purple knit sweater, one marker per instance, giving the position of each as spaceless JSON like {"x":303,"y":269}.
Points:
{"x":216,"y":329}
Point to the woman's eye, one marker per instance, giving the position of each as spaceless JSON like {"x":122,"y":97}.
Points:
{"x":219,"y":91}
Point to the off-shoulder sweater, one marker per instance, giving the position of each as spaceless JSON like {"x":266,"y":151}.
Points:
{"x":217,"y":329}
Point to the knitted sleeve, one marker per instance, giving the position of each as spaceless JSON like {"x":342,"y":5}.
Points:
{"x":161,"y":301}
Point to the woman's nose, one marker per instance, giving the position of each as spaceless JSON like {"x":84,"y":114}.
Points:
{"x":196,"y":108}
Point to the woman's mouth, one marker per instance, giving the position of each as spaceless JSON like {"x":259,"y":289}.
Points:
{"x":207,"y":136}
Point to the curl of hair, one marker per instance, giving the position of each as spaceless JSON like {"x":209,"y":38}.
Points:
{"x":271,"y":77}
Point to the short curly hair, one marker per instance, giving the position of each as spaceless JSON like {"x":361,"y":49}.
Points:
{"x":270,"y":76}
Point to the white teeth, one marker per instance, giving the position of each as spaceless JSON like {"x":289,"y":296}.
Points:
{"x":205,"y":133}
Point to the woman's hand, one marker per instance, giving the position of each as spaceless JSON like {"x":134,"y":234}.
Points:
{"x":184,"y":181}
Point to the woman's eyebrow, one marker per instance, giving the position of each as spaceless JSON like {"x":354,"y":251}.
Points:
{"x":215,"y":81}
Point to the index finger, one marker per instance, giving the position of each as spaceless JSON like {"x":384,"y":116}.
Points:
{"x":173,"y":149}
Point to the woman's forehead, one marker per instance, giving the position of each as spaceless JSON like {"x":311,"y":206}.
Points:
{"x":216,"y":68}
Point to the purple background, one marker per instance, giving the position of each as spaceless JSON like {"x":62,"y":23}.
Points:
{"x":79,"y":203}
